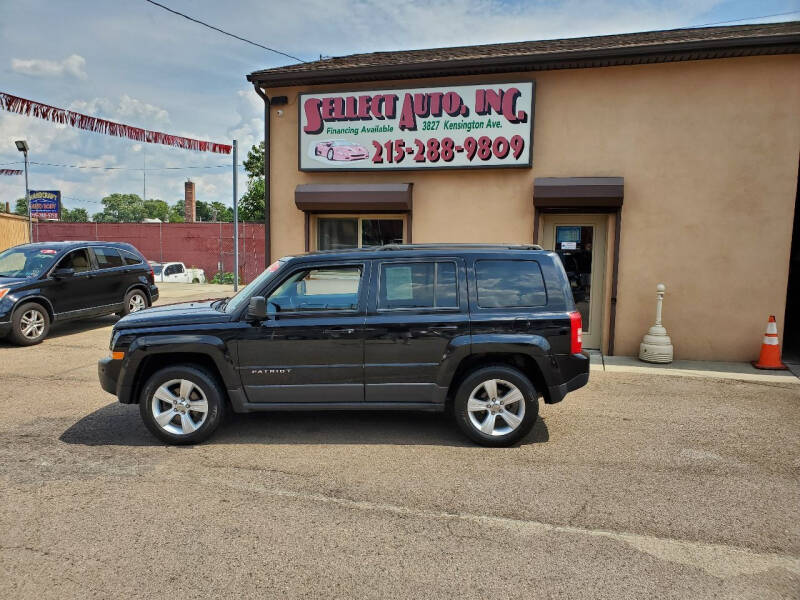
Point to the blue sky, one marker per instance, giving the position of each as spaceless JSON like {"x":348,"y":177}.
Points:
{"x":135,"y":63}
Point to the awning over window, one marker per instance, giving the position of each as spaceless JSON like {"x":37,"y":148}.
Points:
{"x":353,"y":197}
{"x":578,"y":192}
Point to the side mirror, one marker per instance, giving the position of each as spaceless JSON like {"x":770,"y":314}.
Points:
{"x":62,"y":273}
{"x":257,"y":310}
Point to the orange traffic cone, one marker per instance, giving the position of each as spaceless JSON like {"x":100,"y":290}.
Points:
{"x":770,"y":350}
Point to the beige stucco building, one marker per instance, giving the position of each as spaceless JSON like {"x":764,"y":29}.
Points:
{"x":658,"y":157}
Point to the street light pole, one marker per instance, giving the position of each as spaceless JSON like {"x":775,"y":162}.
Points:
{"x":235,"y":219}
{"x":22,"y":146}
{"x":28,"y":200}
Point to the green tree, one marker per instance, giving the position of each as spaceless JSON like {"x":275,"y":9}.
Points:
{"x":176,"y":212}
{"x":221,"y":212}
{"x":121,"y":208}
{"x":21,"y":207}
{"x":76,"y":215}
{"x":156,"y":209}
{"x":254,"y":165}
{"x":251,"y":205}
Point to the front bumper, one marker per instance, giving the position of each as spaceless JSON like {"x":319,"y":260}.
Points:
{"x":108,"y":371}
{"x":5,"y":328}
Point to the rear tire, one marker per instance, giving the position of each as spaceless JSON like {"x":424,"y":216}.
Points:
{"x":182,"y":404}
{"x":29,"y":325}
{"x":135,"y":300}
{"x":496,"y":406}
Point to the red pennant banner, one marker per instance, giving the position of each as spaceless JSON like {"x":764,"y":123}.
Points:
{"x":25,"y":107}
{"x":10,"y":171}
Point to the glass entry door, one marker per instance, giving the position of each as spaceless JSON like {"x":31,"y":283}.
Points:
{"x":342,"y":232}
{"x":580,"y":241}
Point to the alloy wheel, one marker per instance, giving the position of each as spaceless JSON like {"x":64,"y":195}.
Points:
{"x":136,"y":303}
{"x":179,"y":406}
{"x":32,"y":324}
{"x":496,"y":407}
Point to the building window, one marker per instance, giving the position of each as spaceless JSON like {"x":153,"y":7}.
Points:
{"x":342,"y":232}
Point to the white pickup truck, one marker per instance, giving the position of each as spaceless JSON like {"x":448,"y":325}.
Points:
{"x":176,"y":272}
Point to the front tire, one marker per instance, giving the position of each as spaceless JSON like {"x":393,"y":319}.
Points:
{"x":183,"y":404}
{"x":135,"y":300}
{"x":496,"y":406}
{"x":29,"y":325}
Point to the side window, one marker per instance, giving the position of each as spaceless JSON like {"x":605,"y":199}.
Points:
{"x":318,"y":289}
{"x":130,"y":258}
{"x":77,"y":260}
{"x":418,"y":285}
{"x":510,"y":284}
{"x":178,"y":269}
{"x":107,"y":258}
{"x":170,"y":270}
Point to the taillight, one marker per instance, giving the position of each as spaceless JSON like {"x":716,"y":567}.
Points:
{"x":152,"y":275}
{"x":576,"y":332}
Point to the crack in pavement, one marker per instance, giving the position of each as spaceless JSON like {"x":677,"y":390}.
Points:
{"x":719,"y":560}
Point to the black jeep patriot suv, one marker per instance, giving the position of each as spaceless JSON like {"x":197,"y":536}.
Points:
{"x":481,"y":330}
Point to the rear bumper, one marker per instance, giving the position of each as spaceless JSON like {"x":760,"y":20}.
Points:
{"x":153,"y":294}
{"x":574,"y":370}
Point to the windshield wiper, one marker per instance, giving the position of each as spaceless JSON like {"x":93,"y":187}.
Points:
{"x":220,"y":304}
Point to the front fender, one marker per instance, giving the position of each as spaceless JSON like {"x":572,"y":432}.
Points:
{"x":33,"y":295}
{"x":170,"y":344}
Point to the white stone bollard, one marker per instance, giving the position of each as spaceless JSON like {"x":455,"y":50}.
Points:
{"x":656,"y":347}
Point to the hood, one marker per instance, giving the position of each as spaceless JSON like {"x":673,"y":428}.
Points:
{"x":186,"y":313}
{"x":9,"y":281}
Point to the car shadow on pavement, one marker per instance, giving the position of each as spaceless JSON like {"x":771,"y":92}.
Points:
{"x":65,"y":328}
{"x":121,"y":425}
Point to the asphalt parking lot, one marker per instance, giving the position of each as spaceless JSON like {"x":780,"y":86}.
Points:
{"x":636,"y":486}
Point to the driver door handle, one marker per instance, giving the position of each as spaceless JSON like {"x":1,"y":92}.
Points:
{"x":343,"y":331}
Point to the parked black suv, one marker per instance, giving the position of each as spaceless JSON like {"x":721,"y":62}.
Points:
{"x":55,"y":281}
{"x":485,"y":330}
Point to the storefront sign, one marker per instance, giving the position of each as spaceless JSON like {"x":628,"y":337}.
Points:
{"x":46,"y":205}
{"x":453,"y":127}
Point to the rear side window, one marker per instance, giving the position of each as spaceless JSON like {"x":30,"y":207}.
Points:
{"x":130,"y":258}
{"x":510,"y":284}
{"x":107,"y":258}
{"x":418,"y":285}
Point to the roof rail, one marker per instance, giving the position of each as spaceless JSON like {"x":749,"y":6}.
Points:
{"x":460,"y":246}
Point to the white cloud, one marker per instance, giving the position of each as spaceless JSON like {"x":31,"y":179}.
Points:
{"x":127,"y":110}
{"x":72,"y":66}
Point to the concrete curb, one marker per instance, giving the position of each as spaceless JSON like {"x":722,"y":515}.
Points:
{"x":691,"y":368}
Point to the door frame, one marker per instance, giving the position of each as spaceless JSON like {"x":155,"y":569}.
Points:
{"x":599,"y":266}
{"x":538,"y":215}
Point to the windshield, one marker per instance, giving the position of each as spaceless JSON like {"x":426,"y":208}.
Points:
{"x":243,"y":297}
{"x":26,"y":261}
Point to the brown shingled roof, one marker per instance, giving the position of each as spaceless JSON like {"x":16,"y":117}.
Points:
{"x":597,"y":51}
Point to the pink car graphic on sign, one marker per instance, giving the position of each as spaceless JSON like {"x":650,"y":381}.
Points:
{"x":340,"y":150}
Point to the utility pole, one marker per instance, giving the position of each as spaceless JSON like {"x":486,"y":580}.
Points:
{"x":144,"y":172}
{"x":235,"y":218}
{"x":22,"y":146}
